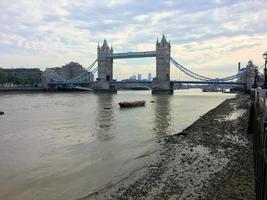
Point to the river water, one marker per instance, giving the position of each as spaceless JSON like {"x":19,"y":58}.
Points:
{"x":68,"y":145}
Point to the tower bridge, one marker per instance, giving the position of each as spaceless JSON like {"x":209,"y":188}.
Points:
{"x":160,"y":84}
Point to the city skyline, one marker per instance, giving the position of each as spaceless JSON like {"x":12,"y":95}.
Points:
{"x":209,"y":37}
{"x":139,"y":76}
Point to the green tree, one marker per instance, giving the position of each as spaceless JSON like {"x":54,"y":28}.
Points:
{"x":3,"y":77}
{"x":31,"y":79}
{"x":11,"y":79}
{"x":19,"y":80}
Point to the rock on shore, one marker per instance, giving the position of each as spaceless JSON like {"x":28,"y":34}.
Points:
{"x":211,"y":159}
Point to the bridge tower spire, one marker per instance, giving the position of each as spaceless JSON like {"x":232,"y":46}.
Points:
{"x":162,"y":84}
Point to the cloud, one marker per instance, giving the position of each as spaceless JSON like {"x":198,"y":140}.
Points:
{"x":205,"y":35}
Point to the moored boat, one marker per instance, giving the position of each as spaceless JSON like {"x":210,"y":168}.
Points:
{"x":130,"y":104}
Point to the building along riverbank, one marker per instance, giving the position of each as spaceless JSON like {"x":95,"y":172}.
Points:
{"x":211,"y":159}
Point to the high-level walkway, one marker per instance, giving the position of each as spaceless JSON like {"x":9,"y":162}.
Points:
{"x":143,"y":54}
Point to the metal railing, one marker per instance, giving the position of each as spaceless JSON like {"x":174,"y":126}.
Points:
{"x":258,"y":128}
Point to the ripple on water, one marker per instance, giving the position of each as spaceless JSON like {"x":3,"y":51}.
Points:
{"x":58,"y":139}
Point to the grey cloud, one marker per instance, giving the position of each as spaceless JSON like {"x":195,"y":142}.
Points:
{"x":190,"y":21}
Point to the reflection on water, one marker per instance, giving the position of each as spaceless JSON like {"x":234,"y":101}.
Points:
{"x":105,"y":116}
{"x":162,"y":116}
{"x":65,"y":145}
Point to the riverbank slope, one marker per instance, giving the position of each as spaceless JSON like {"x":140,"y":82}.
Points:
{"x":211,"y":159}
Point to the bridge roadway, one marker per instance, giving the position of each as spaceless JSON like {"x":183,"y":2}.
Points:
{"x":189,"y":82}
{"x":141,"y":54}
{"x":150,"y":82}
{"x":211,"y":82}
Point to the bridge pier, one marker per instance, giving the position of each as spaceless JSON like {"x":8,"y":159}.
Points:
{"x":162,"y":83}
{"x":101,"y":86}
{"x":162,"y":87}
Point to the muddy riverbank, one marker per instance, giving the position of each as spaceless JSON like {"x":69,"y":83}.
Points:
{"x":211,"y":159}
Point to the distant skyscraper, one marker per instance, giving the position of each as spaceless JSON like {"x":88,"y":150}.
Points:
{"x":133,"y":77}
{"x":139,"y":77}
{"x":149,"y":77}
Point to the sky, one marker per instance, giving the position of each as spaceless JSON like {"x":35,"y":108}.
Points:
{"x":207,"y":36}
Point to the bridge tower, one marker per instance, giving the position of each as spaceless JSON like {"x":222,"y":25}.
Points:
{"x":162,"y":84}
{"x":250,"y":74}
{"x":105,"y":69}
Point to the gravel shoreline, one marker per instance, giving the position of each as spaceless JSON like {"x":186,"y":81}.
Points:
{"x":211,"y":159}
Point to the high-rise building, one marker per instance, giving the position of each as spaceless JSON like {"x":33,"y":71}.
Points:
{"x":149,"y":77}
{"x":139,"y":77}
{"x":67,"y":72}
{"x":133,"y":77}
{"x":71,"y":70}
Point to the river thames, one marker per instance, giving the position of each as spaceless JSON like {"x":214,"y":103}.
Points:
{"x":68,"y":145}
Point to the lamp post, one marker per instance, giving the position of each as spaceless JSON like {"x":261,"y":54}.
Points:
{"x":265,"y":70}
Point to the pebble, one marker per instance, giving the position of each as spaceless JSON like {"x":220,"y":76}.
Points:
{"x":189,"y":172}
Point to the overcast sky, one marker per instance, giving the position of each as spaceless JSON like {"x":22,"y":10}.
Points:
{"x":208,"y":36}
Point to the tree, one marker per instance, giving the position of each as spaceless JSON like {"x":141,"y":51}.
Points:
{"x":31,"y":79}
{"x":3,"y":77}
{"x":10,"y":79}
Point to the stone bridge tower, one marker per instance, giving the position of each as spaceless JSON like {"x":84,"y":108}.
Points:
{"x":105,"y":65}
{"x":105,"y":68}
{"x":250,"y":74}
{"x":247,"y":75}
{"x":162,"y":84}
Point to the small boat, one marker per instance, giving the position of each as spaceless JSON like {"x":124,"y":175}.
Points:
{"x":130,"y":104}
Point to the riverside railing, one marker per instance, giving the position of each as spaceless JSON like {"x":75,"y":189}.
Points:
{"x":258,"y":122}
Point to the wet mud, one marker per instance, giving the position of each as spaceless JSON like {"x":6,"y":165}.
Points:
{"x":211,"y":159}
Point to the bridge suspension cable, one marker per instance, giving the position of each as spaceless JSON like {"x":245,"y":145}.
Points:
{"x":200,"y":77}
{"x":94,"y":70}
{"x":83,"y":75}
{"x":79,"y":78}
{"x":189,"y":72}
{"x":55,"y":77}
